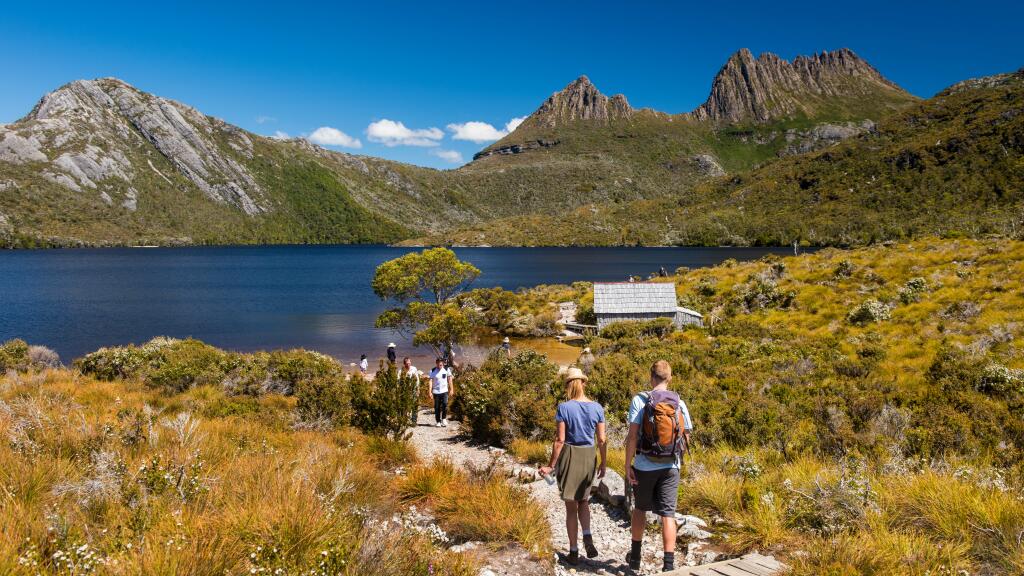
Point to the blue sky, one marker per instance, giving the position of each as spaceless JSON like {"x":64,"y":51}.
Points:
{"x":402,"y":78}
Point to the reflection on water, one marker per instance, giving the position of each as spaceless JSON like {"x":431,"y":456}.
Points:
{"x":267,"y":297}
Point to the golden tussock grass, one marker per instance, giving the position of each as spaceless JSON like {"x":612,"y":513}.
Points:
{"x":113,"y":478}
{"x":485,"y":507}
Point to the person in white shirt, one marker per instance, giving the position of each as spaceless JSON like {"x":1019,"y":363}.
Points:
{"x":364,"y":364}
{"x":410,"y":371}
{"x":441,"y":386}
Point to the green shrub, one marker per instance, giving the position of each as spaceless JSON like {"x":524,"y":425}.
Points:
{"x":868,"y":312}
{"x":324,"y":398}
{"x":658,"y":328}
{"x":14,"y":356}
{"x":508,"y":398}
{"x":383,"y":406}
{"x":185,"y":364}
{"x":911,"y":291}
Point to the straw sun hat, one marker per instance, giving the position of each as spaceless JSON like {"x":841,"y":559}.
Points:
{"x":574,"y":374}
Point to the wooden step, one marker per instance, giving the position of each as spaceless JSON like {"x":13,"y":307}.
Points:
{"x":749,"y":565}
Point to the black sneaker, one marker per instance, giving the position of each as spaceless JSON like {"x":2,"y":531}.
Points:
{"x":668,"y":567}
{"x":573,"y":557}
{"x":588,"y":543}
{"x":634,"y":563}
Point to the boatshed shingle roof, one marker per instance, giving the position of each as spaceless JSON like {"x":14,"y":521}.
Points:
{"x":634,"y":297}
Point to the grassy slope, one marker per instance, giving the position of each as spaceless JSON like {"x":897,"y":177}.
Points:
{"x":950,"y":165}
{"x":873,"y":448}
{"x":119,"y":478}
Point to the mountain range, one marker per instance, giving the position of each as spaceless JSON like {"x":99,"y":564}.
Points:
{"x":99,"y":162}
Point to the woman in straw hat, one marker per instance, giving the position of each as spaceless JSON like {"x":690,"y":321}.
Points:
{"x":580,"y":436}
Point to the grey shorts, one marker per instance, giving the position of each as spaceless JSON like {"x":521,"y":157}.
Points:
{"x":657,"y":491}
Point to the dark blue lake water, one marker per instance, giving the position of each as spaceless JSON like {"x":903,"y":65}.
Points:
{"x":248,"y":298}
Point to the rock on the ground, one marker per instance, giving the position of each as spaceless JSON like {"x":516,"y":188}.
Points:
{"x":612,"y":490}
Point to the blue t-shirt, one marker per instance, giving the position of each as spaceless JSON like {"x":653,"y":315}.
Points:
{"x":636,"y":416}
{"x":581,"y":420}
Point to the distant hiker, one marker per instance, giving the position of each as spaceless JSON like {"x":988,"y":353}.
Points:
{"x":506,"y":345}
{"x":364,"y":364}
{"x":448,"y":356}
{"x":586,"y":361}
{"x":580,"y":423}
{"x":441,"y":385}
{"x":659,"y":431}
{"x":662,"y":272}
{"x":392,"y":355}
{"x":410,"y":371}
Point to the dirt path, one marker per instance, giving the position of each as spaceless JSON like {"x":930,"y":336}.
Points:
{"x":609,"y":525}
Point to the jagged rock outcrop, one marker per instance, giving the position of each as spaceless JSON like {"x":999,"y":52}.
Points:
{"x":822,"y":136}
{"x":90,"y":134}
{"x":767,"y":87}
{"x":516,"y":148}
{"x":580,"y":100}
{"x":708,"y":165}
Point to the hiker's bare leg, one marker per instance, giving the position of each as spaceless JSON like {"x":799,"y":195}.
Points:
{"x":637,"y":523}
{"x":668,"y":533}
{"x":571,"y":512}
{"x":584,"y":514}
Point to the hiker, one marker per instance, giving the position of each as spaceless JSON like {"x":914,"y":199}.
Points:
{"x":662,"y":272}
{"x":410,"y":371}
{"x":586,"y":361}
{"x":506,"y":345}
{"x":441,"y":385}
{"x":364,"y":364}
{"x":392,"y":355}
{"x":659,"y":431}
{"x":580,"y":423}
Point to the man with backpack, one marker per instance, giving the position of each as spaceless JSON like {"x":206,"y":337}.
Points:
{"x":659,"y":431}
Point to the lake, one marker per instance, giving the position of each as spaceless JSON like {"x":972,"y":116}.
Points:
{"x":265,"y":297}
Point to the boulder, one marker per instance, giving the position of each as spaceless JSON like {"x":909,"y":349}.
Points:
{"x":612,"y":490}
{"x":691,"y":527}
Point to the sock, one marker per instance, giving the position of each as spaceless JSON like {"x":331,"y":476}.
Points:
{"x":586,"y":533}
{"x":574,"y":548}
{"x":634,"y":552}
{"x":670,"y":559}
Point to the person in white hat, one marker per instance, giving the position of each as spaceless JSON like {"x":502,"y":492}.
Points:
{"x":392,"y":354}
{"x":579,"y":438}
{"x":506,"y":345}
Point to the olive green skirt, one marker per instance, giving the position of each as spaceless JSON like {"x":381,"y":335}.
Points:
{"x":575,"y":471}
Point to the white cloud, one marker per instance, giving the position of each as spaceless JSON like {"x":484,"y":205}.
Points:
{"x":327,"y":136}
{"x":452,"y":156}
{"x":280,"y":135}
{"x":514,"y":123}
{"x":480,"y":132}
{"x":475,"y":132}
{"x":265,"y":119}
{"x":391,"y":133}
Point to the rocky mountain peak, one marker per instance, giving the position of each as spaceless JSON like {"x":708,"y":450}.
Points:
{"x":64,"y":127}
{"x":768,"y":87}
{"x":580,"y":100}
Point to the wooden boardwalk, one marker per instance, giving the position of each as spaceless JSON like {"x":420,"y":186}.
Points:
{"x":749,"y":565}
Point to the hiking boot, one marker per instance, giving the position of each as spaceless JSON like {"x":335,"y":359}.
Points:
{"x":573,"y":557}
{"x":634,"y":563}
{"x":588,"y":543}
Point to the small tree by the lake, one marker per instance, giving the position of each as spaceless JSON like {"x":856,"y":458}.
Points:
{"x":425,"y":285}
